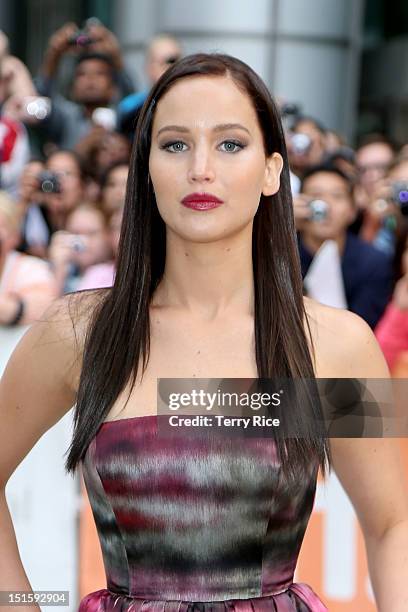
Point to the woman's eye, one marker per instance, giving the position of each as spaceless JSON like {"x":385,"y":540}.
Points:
{"x":231,"y":146}
{"x":173,"y":147}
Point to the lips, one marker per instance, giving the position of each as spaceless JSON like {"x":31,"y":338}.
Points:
{"x":201,"y":201}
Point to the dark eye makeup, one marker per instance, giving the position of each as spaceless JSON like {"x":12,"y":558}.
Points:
{"x":238,"y":146}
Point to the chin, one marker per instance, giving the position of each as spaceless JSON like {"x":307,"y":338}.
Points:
{"x":326,"y":235}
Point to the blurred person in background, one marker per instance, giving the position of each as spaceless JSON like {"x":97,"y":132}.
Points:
{"x":385,"y":216}
{"x":343,"y":158}
{"x":93,"y":87}
{"x":392,"y":329}
{"x":70,"y":41}
{"x":48,"y":193}
{"x":373,"y":156}
{"x":366,"y":272}
{"x":66,"y":185}
{"x":84,"y":242}
{"x":34,"y":229}
{"x":306,"y":142}
{"x":98,"y":151}
{"x":163,"y":51}
{"x":103,"y":274}
{"x":98,"y":61}
{"x":16,"y":78}
{"x":14,"y":143}
{"x":27,"y":286}
{"x":334,"y":141}
{"x":113,"y":187}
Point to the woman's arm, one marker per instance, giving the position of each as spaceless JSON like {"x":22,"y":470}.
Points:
{"x":371,"y":472}
{"x":37,"y":388}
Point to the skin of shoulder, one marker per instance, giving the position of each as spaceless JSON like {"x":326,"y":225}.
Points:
{"x":369,"y":469}
{"x":40,"y":381}
{"x":345,"y":346}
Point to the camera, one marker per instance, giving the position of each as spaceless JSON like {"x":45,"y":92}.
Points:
{"x":80,"y":38}
{"x":301,"y":143}
{"x":49,"y":183}
{"x":78,"y":244}
{"x":400,"y":195}
{"x":171,"y":59}
{"x":318,"y":210}
{"x":290,"y":109}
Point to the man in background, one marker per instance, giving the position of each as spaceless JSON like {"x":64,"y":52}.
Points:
{"x":163,"y":51}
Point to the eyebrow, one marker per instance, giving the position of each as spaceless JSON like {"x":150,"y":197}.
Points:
{"x":218,"y":128}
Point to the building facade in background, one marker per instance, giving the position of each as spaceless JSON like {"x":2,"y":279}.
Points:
{"x":344,"y":62}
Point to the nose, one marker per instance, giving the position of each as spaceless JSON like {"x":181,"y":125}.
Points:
{"x":201,"y":169}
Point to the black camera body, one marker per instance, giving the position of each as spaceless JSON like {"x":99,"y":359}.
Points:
{"x":49,"y":182}
{"x":80,"y":38}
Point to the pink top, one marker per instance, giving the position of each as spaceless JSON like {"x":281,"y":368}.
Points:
{"x":31,"y":279}
{"x":98,"y":275}
{"x":392,"y":333}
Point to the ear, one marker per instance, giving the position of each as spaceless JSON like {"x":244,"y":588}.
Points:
{"x":273,"y":169}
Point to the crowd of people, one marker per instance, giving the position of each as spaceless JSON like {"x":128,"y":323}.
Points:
{"x":65,"y":150}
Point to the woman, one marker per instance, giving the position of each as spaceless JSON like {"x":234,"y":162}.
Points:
{"x":103,"y":274}
{"x":27,"y":285}
{"x":84,"y":243}
{"x":392,"y":329}
{"x":206,"y":286}
{"x":113,"y":187}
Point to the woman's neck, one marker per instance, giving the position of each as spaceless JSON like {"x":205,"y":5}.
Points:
{"x":208,"y":279}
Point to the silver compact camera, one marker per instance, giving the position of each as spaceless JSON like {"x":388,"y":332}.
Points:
{"x":300,"y":143}
{"x":318,"y":210}
{"x":77,"y":244}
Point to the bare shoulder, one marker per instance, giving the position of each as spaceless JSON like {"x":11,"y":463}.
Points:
{"x":40,"y":382}
{"x":345,"y":346}
{"x":59,"y":336}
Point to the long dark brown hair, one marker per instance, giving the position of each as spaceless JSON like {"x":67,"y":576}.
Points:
{"x":118,"y":334}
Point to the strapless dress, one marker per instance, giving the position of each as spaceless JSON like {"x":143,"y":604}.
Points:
{"x":191,"y":523}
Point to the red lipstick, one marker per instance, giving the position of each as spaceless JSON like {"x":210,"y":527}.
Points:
{"x":201,"y":201}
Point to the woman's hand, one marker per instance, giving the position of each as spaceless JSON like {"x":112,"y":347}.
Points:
{"x":30,"y":188}
{"x":301,"y":210}
{"x":61,"y":251}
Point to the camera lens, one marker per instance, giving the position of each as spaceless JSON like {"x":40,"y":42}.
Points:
{"x":47,"y":186}
{"x":318,"y":210}
{"x":301,"y":143}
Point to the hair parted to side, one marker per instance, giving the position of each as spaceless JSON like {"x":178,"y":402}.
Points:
{"x":118,"y":336}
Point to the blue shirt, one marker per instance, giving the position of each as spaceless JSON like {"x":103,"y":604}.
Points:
{"x":367,"y":277}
